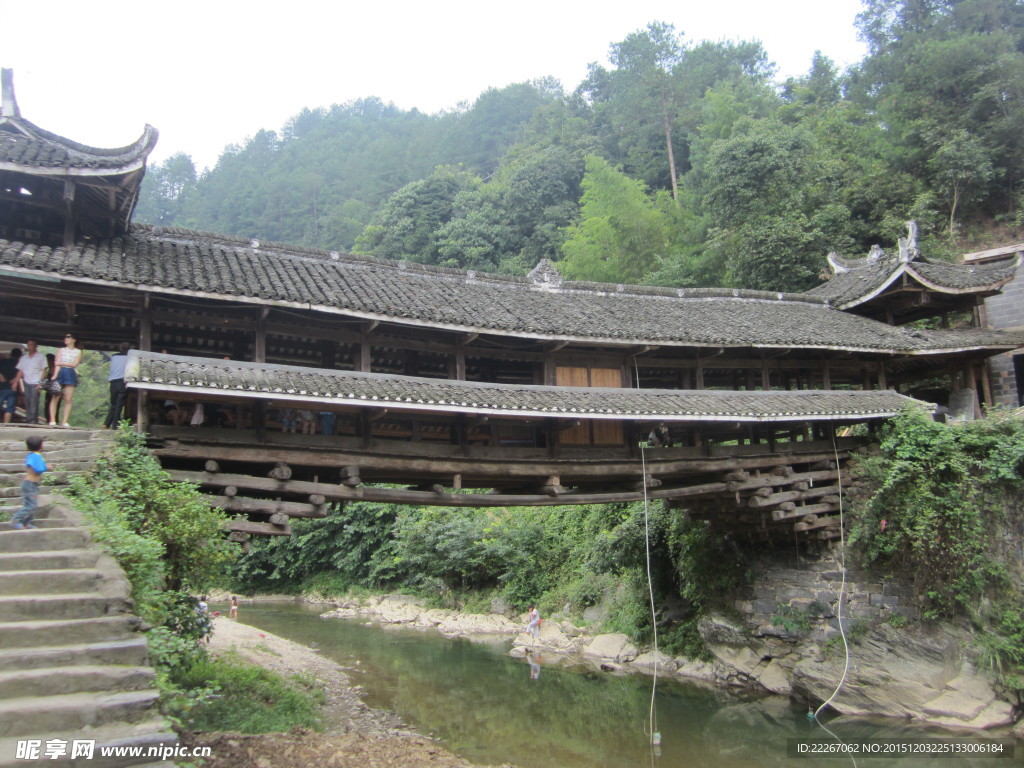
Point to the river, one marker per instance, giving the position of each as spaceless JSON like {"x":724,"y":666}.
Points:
{"x":492,"y":709}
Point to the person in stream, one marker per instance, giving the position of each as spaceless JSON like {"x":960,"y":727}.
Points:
{"x":533,"y":627}
{"x":35,"y":466}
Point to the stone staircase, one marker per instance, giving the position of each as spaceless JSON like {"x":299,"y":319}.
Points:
{"x":73,"y":665}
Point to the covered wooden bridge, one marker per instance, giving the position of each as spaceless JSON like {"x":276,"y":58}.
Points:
{"x":441,"y":386}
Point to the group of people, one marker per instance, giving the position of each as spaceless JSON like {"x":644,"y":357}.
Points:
{"x":26,"y":375}
{"x":306,"y":422}
{"x":199,"y":414}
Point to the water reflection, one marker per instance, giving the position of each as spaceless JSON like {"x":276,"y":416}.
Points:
{"x":492,"y":709}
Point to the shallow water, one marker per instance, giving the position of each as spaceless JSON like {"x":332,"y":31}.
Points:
{"x":492,"y":709}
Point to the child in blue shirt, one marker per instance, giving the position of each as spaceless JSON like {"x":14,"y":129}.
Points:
{"x":35,"y":466}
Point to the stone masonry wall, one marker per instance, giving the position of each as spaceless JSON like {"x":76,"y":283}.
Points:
{"x":805,"y":592}
{"x":1006,"y":312}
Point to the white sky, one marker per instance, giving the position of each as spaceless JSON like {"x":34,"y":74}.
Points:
{"x":212,"y":73}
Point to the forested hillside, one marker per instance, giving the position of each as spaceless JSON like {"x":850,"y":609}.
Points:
{"x":681,"y":163}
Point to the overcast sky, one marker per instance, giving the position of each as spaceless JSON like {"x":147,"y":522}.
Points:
{"x":208,"y":74}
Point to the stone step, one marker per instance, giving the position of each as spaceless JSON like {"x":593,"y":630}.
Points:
{"x":48,"y":632}
{"x":43,"y":540}
{"x":74,"y":711}
{"x":48,"y":561}
{"x":14,"y":583}
{"x":56,"y":451}
{"x":16,"y":434}
{"x":151,"y":733}
{"x":68,"y":605}
{"x":82,"y":678}
{"x":132,"y":652}
{"x":44,"y":522}
{"x":10,"y":466}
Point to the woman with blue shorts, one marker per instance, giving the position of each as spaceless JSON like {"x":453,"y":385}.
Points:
{"x":65,"y":374}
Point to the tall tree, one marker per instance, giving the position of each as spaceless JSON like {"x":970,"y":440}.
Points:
{"x":621,"y":232}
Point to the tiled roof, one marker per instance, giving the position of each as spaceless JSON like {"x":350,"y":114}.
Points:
{"x":857,"y":280}
{"x":325,"y":388}
{"x":27,"y":147}
{"x":190,"y":263}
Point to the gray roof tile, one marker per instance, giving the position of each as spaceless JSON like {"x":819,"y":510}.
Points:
{"x":178,"y":261}
{"x":327,"y":388}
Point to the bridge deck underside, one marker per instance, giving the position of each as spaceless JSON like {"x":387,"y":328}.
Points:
{"x":269,"y":478}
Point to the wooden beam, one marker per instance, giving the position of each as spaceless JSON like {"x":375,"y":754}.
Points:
{"x":251,"y":506}
{"x":472,"y":466}
{"x":777,"y":498}
{"x":258,"y":529}
{"x":265,"y":484}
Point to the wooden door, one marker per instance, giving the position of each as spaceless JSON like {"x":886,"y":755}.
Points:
{"x":590,"y":432}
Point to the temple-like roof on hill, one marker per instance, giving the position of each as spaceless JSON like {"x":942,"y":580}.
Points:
{"x":186,"y":263}
{"x":857,"y":281}
{"x":321,"y":388}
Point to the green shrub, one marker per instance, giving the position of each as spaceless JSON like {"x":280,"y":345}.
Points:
{"x":129,"y":491}
{"x":229,"y":695}
{"x":941,"y":495}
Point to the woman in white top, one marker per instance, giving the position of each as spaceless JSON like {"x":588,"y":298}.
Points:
{"x":64,"y":372}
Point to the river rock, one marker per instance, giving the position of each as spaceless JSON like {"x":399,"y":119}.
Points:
{"x":615,"y":646}
{"x":552,"y":637}
{"x":399,"y":609}
{"x":696,"y":669}
{"x":913,"y":672}
{"x":646,"y":662}
{"x":461,"y":624}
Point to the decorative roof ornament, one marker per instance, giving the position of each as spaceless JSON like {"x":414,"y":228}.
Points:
{"x":8,"y":104}
{"x":545,"y":275}
{"x":908,"y":244}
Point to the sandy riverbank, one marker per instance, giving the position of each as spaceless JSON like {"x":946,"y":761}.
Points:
{"x":355,"y":736}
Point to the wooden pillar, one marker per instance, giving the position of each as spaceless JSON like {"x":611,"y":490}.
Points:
{"x":700,"y":375}
{"x":365,"y":361}
{"x":766,"y":375}
{"x":259,"y":344}
{"x":882,"y":381}
{"x":146,"y":327}
{"x":986,"y":383}
{"x":69,"y":213}
{"x":142,"y":411}
{"x":826,"y":376}
{"x":460,"y":361}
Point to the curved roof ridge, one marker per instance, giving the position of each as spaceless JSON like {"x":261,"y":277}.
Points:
{"x":469,"y":275}
{"x":142,"y":145}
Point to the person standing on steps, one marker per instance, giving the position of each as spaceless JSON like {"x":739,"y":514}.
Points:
{"x":68,"y":360}
{"x":8,"y":385}
{"x":35,"y":466}
{"x":31,"y":370}
{"x":118,"y":390}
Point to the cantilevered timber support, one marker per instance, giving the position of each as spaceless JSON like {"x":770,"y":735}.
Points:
{"x":780,"y":515}
{"x":350,"y":476}
{"x":251,"y":506}
{"x":264,"y":484}
{"x":776,"y":498}
{"x":258,"y":529}
{"x":281,"y":471}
